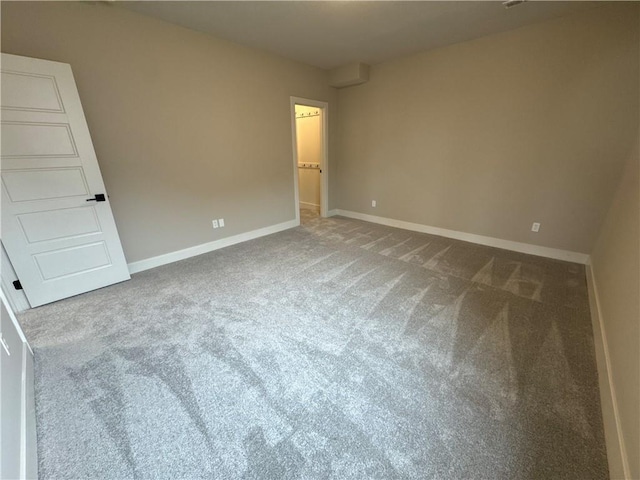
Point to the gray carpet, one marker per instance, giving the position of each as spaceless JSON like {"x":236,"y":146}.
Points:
{"x":339,"y":349}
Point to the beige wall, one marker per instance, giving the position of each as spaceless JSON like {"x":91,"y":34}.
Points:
{"x":309,"y":141}
{"x":615,"y":267}
{"x":615,"y":263}
{"x":490,"y":135}
{"x":187,"y":128}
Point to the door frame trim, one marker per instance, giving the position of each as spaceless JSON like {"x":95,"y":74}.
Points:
{"x":324,"y":159}
{"x":16,"y":298}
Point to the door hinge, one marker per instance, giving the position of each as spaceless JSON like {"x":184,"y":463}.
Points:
{"x":17,"y":285}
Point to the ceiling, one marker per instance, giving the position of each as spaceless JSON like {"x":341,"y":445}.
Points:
{"x":329,"y":34}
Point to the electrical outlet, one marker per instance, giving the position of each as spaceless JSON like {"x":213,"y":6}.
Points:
{"x":215,"y":224}
{"x":221,"y":222}
{"x":535,"y":227}
{"x":373,"y":203}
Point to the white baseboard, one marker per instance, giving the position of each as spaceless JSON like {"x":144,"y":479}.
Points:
{"x":616,"y":450}
{"x":554,"y":253}
{"x":333,"y":213}
{"x":146,"y":264}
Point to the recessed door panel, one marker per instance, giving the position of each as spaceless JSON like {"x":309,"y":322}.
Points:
{"x":37,"y":140}
{"x":25,"y":91}
{"x":72,"y":261}
{"x":25,"y":185}
{"x":59,"y":224}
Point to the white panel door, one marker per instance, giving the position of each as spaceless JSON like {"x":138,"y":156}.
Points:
{"x":57,"y":225}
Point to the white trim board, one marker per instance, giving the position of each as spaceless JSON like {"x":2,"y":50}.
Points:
{"x":27,"y":437}
{"x":554,"y":253}
{"x":616,"y":450}
{"x":16,"y":298}
{"x":147,"y":263}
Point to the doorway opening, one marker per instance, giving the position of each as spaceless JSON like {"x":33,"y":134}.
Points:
{"x":309,"y":120}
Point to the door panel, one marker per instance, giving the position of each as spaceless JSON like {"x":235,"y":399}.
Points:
{"x":32,"y":92}
{"x":59,"y":244}
{"x":26,"y":185}
{"x":37,"y":140}
{"x":59,"y":224}
{"x":72,"y":261}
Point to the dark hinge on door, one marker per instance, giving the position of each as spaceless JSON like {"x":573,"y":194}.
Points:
{"x":17,"y":285}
